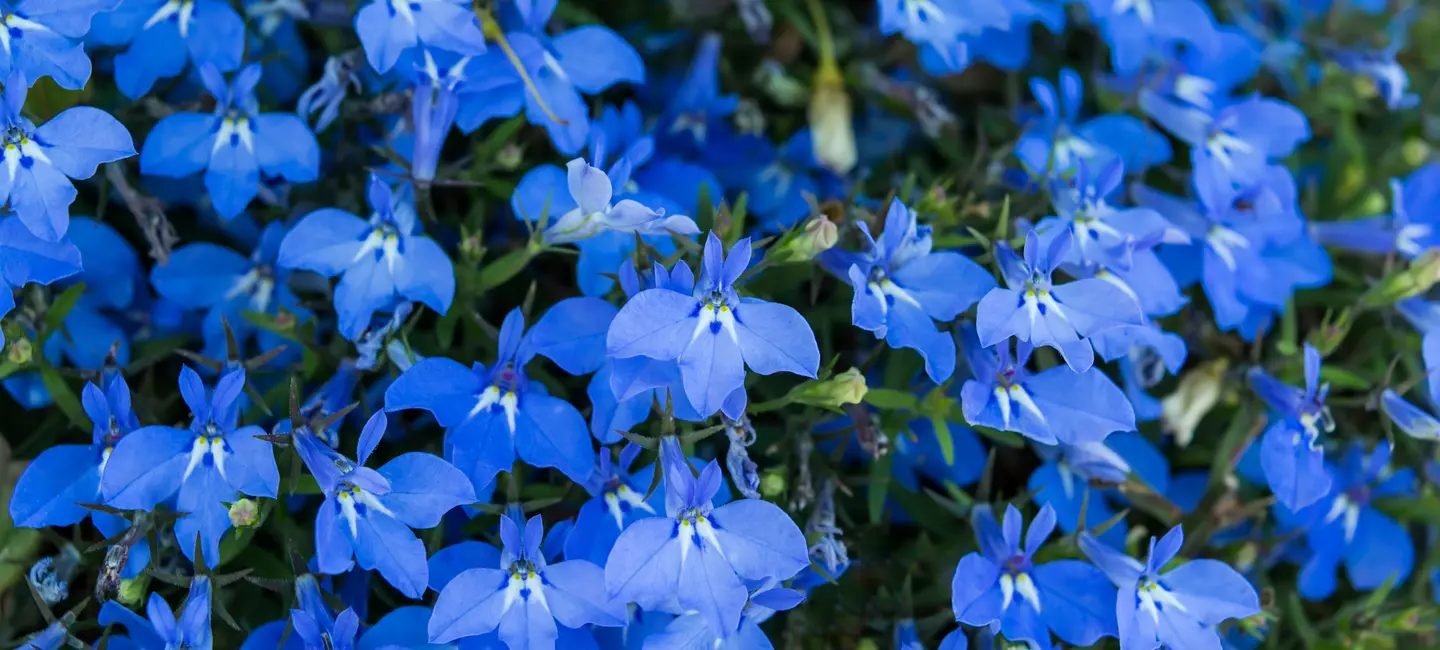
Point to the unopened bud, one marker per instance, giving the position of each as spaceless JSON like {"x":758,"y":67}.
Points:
{"x":132,"y":592}
{"x":772,"y":484}
{"x":1404,"y":283}
{"x":509,"y":157}
{"x":817,"y":236}
{"x":244,"y":513}
{"x":832,"y":132}
{"x":1199,"y":391}
{"x":845,"y":388}
{"x":20,"y":352}
{"x":1415,"y":151}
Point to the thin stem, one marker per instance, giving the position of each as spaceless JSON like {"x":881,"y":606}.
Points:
{"x":493,"y":32}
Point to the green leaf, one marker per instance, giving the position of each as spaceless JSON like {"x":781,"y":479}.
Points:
{"x":887,"y":399}
{"x":59,"y":309}
{"x":942,"y":436}
{"x":879,"y":487}
{"x":64,"y":397}
{"x":507,"y":266}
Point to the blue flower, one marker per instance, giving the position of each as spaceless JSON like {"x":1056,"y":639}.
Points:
{"x":40,"y":161}
{"x":1411,"y":419}
{"x":341,"y":77}
{"x":1411,"y":228}
{"x":1036,"y":311}
{"x":1003,"y":588}
{"x":42,"y":38}
{"x":1137,"y":29}
{"x":368,"y":514}
{"x":493,"y":415}
{"x":1234,"y":139}
{"x":697,"y":555}
{"x":379,"y":260}
{"x":433,"y":108}
{"x":527,"y":598}
{"x":692,"y":630}
{"x":586,"y":59}
{"x":1178,"y":608}
{"x":202,"y":468}
{"x":26,"y":258}
{"x":1058,"y":405}
{"x":941,"y":28}
{"x":697,"y":104}
{"x":713,"y":333}
{"x":1291,"y":450}
{"x":314,"y":626}
{"x":387,"y":28}
{"x":1106,"y":235}
{"x":1070,"y":480}
{"x":233,"y":145}
{"x":224,"y":284}
{"x":901,"y":285}
{"x":1249,"y":249}
{"x":54,"y":485}
{"x":1345,"y":527}
{"x":164,"y":630}
{"x":592,"y":208}
{"x":1054,"y":144}
{"x":163,"y":35}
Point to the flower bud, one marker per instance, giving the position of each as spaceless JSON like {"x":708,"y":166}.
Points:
{"x":20,"y":352}
{"x":818,"y":236}
{"x":1408,"y":282}
{"x":244,"y":513}
{"x":1199,"y":391}
{"x":845,"y":388}
{"x":132,"y":591}
{"x":831,"y":129}
{"x":772,"y":484}
{"x":510,"y":157}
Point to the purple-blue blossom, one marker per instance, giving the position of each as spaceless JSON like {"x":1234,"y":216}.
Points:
{"x":389,"y":28}
{"x":1291,"y":449}
{"x":233,"y":145}
{"x":165,"y":36}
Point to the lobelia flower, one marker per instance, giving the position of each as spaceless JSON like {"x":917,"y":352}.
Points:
{"x":492,"y":415}
{"x":368,"y":514}
{"x":1137,"y":29}
{"x":40,"y":161}
{"x":224,"y":284}
{"x":713,"y":333}
{"x":387,"y":28}
{"x":902,"y":287}
{"x":379,"y":260}
{"x":697,"y":105}
{"x":1249,"y":250}
{"x":1036,"y":311}
{"x":1410,"y":229}
{"x":1235,"y":139}
{"x":693,"y":631}
{"x":1411,"y":419}
{"x":587,"y":59}
{"x":275,"y":42}
{"x":527,"y":598}
{"x":54,"y":485}
{"x":433,"y":108}
{"x":315,"y":627}
{"x":1056,"y":143}
{"x":1073,"y":479}
{"x":1291,"y":451}
{"x":1001,"y":587}
{"x":164,"y":35}
{"x":698,"y":555}
{"x":233,"y":145}
{"x":595,"y":210}
{"x":42,"y":39}
{"x":1116,"y":239}
{"x":341,"y":76}
{"x":26,"y":258}
{"x":1346,"y":528}
{"x":189,"y":628}
{"x":1055,"y":406}
{"x":202,"y":468}
{"x":1177,"y":609}
{"x":943,"y":29}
